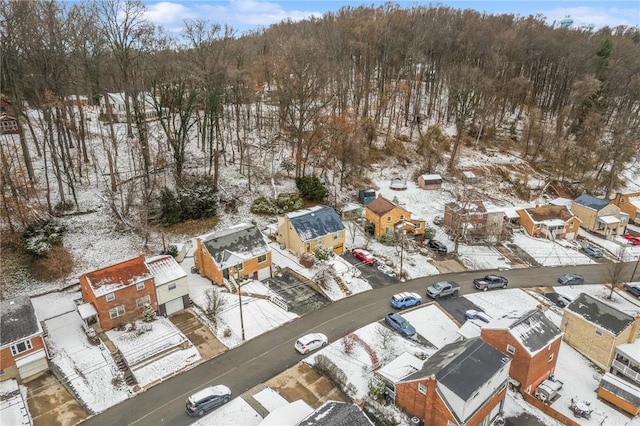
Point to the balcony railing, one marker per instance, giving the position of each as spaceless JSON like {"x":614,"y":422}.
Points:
{"x":627,"y":371}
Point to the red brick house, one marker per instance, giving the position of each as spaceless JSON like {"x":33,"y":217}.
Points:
{"x":120,"y":292}
{"x":464,"y":383}
{"x":550,"y":222}
{"x":531,"y":340}
{"x":23,"y":353}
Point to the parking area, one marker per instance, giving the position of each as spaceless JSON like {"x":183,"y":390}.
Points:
{"x":457,"y":306}
{"x":371,"y":273}
{"x":298,"y":292}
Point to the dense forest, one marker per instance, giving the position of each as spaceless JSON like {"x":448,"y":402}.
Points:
{"x":337,"y":92}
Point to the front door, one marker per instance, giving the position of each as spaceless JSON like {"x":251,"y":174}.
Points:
{"x":225,"y":273}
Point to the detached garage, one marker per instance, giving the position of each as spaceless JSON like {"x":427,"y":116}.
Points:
{"x":430,"y":181}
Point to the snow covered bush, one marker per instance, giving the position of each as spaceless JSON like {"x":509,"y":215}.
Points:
{"x":286,"y":202}
{"x":323,"y":253}
{"x":192,"y":200}
{"x":311,"y":188}
{"x":40,"y":237}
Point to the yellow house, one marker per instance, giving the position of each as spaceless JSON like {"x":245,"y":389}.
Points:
{"x":600,"y":215}
{"x":238,"y":252}
{"x":306,"y":230}
{"x":389,"y":218}
{"x":595,"y":329}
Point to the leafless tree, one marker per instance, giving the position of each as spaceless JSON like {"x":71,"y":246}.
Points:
{"x":214,"y":305}
{"x":613,"y":275}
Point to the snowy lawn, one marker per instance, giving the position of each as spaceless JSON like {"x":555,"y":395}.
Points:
{"x":89,"y":369}
{"x":551,"y":253}
{"x":235,"y":412}
{"x":13,"y":404}
{"x":433,"y":324}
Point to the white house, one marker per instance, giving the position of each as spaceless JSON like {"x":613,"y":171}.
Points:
{"x":172,"y":287}
{"x":118,"y":108}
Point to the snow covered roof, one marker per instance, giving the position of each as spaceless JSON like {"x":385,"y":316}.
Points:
{"x":337,"y":413}
{"x":289,"y":414}
{"x":630,"y":350}
{"x":164,"y":269}
{"x":470,"y":329}
{"x":621,"y":388}
{"x":532,"y":329}
{"x":87,"y":310}
{"x":435,"y":178}
{"x":400,"y":367}
{"x":600,"y":313}
{"x":235,"y":245}
{"x":17,"y":320}
{"x":463,"y":366}
{"x":120,"y":275}
{"x":609,"y":220}
{"x":635,"y":201}
{"x":592,"y":202}
{"x":550,"y":214}
{"x":561,"y":201}
{"x":315,"y":222}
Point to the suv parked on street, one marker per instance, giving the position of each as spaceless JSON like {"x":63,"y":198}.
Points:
{"x":207,"y":399}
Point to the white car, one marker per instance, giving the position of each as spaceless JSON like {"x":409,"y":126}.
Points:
{"x":311,"y":342}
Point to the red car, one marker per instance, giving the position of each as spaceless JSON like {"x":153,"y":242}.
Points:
{"x":364,"y":256}
{"x":632,"y":239}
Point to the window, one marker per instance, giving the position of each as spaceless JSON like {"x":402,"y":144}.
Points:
{"x":401,"y":217}
{"x":142,"y":301}
{"x":21,"y":347}
{"x":511,"y":349}
{"x":422,"y":389}
{"x":318,"y":242}
{"x":116,"y":312}
{"x":171,"y":286}
{"x":337,"y":235}
{"x":262,"y":258}
{"x":140,"y":286}
{"x":110,"y":297}
{"x":388,"y":218}
{"x":550,"y":357}
{"x":598,"y":332}
{"x":238,"y":267}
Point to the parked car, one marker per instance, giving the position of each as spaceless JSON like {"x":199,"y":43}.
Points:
{"x":311,"y":342}
{"x":207,"y":399}
{"x":490,"y":281}
{"x":632,"y":239}
{"x":633,"y":289}
{"x":563,"y":300}
{"x":437,"y":246}
{"x":479,"y":315}
{"x":571,"y":279}
{"x":438,"y":220}
{"x":364,"y":256}
{"x":398,"y":323}
{"x":443,"y":289}
{"x":405,"y":300}
{"x":593,"y":251}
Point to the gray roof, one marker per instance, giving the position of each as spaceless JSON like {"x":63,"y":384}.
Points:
{"x":335,"y":413}
{"x":592,"y":202}
{"x":601,"y":314}
{"x":620,"y":388}
{"x":533,"y":330}
{"x":463,"y":366}
{"x":17,"y":320}
{"x":315,"y":222}
{"x":241,"y":241}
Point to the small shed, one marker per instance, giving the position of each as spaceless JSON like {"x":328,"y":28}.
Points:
{"x":620,"y":393}
{"x":351,"y":211}
{"x":433,"y":181}
{"x":469,"y":177}
{"x":398,"y":184}
{"x":366,"y":196}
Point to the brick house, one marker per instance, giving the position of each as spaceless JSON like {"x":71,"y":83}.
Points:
{"x":305,"y":230}
{"x":390,"y":218}
{"x":23,"y":353}
{"x":595,"y":328}
{"x":531,"y":340}
{"x":629,"y":203}
{"x":549,"y":221}
{"x":464,"y":383}
{"x":473,"y":219}
{"x":172,"y":287}
{"x":119,"y":292}
{"x":237,"y":252}
{"x":600,"y":215}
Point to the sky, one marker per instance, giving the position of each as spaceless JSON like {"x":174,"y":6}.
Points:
{"x":244,"y":15}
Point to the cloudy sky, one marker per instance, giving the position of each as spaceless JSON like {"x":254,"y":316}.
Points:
{"x":244,"y":15}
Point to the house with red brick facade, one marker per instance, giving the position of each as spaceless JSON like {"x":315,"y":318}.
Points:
{"x":238,"y":252}
{"x":464,"y":383}
{"x":550,"y":222}
{"x":23,"y":353}
{"x":474,"y":220}
{"x":532,"y":342}
{"x":120,"y":292}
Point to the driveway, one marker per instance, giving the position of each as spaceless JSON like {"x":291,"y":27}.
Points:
{"x":199,"y":334}
{"x":51,"y":404}
{"x":299,"y":294}
{"x":457,"y":306}
{"x":375,"y":277}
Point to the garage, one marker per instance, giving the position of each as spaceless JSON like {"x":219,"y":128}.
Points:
{"x":264,"y":273}
{"x":174,"y":305}
{"x":32,"y":364}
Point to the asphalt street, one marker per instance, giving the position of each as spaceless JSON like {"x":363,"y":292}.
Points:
{"x":269,"y":354}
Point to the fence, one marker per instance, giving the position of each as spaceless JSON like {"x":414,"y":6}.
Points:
{"x":548,"y":410}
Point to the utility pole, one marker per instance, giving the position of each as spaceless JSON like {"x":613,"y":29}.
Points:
{"x":401,"y":253}
{"x":240,"y":304}
{"x":635,"y":268}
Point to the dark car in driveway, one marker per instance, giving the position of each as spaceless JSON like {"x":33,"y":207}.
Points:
{"x":633,"y":289}
{"x":571,"y":279}
{"x":207,"y":399}
{"x":489,"y":282}
{"x":398,"y":323}
{"x":437,"y":246}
